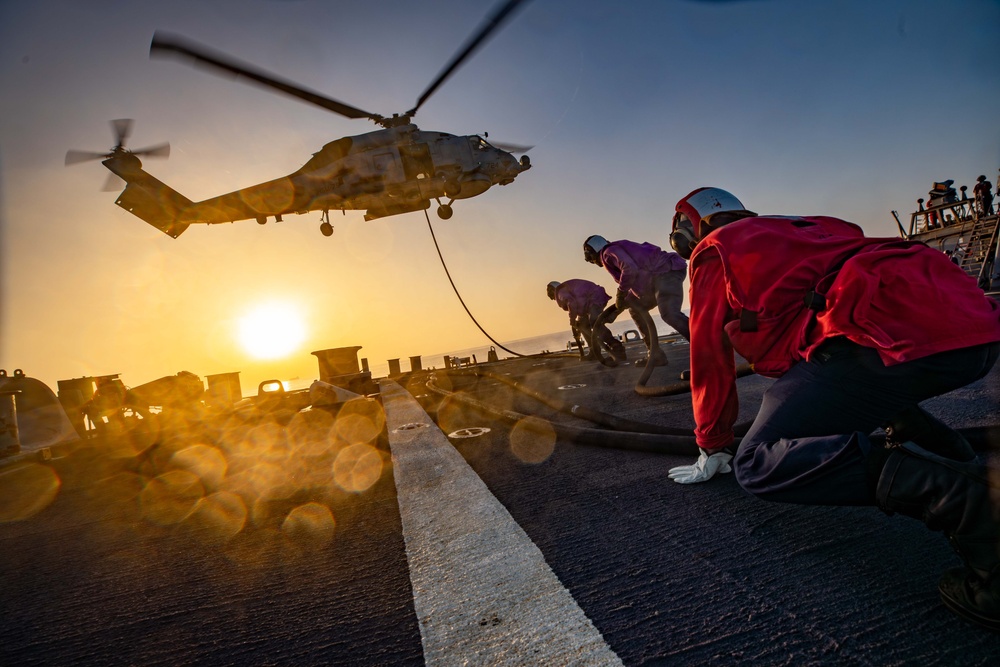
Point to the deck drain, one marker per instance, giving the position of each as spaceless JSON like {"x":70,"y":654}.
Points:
{"x":571,"y":386}
{"x":411,"y":426}
{"x":471,"y":432}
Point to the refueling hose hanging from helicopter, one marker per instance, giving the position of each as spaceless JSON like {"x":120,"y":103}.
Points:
{"x":460,"y":299}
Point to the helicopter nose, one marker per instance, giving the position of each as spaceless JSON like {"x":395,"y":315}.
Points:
{"x":507,"y":167}
{"x":511,"y":168}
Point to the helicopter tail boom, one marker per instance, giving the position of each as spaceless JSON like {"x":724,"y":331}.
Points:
{"x":148,"y":198}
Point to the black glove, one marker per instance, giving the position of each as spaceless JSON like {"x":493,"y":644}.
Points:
{"x":620,"y":298}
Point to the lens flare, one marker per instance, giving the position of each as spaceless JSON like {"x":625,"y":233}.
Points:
{"x":27,"y":490}
{"x":220,"y":516}
{"x":171,"y":497}
{"x":205,"y":461}
{"x":357,"y":467}
{"x":309,"y":432}
{"x":532,"y":440}
{"x":311,"y":524}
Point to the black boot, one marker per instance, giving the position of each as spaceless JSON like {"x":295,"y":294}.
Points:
{"x":919,"y":426}
{"x":953,"y":497}
{"x":618,"y":350}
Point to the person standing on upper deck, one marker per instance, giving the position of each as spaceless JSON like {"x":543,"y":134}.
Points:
{"x":647,"y":277}
{"x":983,"y":194}
{"x":857,"y":332}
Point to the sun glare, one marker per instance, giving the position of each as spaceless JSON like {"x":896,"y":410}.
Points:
{"x":271,"y":330}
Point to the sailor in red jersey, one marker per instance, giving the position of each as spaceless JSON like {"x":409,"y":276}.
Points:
{"x":857,"y":332}
{"x":584,"y":301}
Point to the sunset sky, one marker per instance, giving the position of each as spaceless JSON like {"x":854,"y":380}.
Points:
{"x":850,"y":108}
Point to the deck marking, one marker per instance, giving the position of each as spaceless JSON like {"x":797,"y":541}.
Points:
{"x":482,"y":591}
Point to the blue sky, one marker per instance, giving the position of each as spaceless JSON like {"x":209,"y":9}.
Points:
{"x":846,"y":108}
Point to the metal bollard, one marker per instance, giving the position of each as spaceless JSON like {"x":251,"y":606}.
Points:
{"x":9,"y":441}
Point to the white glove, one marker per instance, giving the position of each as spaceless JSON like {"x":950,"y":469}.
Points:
{"x":704,"y":468}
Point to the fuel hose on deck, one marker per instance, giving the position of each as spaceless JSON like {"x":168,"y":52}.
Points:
{"x":649,"y":328}
{"x":643,"y":442}
{"x":596,"y":416}
{"x":591,"y":415}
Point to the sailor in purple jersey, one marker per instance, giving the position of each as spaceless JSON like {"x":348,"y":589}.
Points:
{"x":647,"y":276}
{"x":584,"y":301}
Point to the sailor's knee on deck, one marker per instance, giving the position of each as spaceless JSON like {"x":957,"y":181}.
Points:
{"x":749,"y":475}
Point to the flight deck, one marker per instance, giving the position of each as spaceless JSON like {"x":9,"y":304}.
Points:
{"x":497,"y":529}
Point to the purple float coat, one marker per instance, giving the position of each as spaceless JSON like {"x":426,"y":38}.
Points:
{"x":578,"y":297}
{"x":633,"y":265}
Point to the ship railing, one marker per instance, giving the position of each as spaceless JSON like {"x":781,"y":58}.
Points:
{"x":941,"y":216}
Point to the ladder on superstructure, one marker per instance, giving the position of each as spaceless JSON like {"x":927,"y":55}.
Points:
{"x":980,"y":247}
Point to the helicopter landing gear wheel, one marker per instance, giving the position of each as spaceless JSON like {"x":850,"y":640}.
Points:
{"x":452,"y":189}
{"x":325,"y":227}
{"x":444,"y":211}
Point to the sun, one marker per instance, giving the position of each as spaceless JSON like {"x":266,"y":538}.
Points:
{"x":272,"y":330}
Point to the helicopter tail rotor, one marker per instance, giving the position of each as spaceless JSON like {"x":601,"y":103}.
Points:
{"x":121,"y":128}
{"x":75,"y":157}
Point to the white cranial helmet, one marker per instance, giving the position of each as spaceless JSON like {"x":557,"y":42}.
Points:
{"x":693,"y":217}
{"x":592,"y":248}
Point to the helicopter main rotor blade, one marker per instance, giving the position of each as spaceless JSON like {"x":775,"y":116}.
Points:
{"x":164,"y":44}
{"x":488,"y":28}
{"x":75,"y":157}
{"x":512,"y":148}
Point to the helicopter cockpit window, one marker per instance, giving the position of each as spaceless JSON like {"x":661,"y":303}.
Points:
{"x":479,"y":143}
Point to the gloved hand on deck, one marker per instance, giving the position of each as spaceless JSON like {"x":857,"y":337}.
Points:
{"x":703,"y":469}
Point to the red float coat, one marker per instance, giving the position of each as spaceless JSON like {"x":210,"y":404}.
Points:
{"x":749,"y":282}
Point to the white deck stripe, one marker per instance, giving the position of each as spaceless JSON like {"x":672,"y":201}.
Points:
{"x":482,"y":590}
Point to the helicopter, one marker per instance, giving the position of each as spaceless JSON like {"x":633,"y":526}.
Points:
{"x":394,"y":170}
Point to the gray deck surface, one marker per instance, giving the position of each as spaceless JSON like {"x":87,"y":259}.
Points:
{"x":110,"y":573}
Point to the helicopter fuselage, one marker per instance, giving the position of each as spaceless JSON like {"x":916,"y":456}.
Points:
{"x":385,"y":172}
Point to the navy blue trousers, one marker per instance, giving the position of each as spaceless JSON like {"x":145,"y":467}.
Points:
{"x":668,"y":296}
{"x":809,"y":441}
